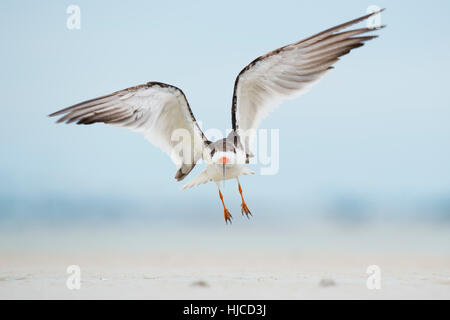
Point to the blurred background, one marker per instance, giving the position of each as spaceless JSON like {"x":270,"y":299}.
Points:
{"x":364,"y":157}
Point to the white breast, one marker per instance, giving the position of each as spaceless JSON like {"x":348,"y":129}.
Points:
{"x":215,"y":171}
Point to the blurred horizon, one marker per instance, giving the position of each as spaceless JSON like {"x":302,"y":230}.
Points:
{"x":340,"y":209}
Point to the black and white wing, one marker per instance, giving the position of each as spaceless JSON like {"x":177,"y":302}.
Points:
{"x":289,"y":72}
{"x":158,"y":111}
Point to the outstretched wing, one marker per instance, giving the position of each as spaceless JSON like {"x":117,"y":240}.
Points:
{"x":157,"y":110}
{"x":289,"y":72}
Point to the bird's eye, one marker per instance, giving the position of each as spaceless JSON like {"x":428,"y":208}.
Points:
{"x":212,"y":152}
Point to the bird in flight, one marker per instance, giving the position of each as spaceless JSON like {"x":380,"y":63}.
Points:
{"x":162,"y":113}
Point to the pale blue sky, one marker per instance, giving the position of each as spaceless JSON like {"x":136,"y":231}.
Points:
{"x":377,"y":126}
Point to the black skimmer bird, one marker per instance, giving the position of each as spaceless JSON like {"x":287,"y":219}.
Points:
{"x":162,"y":113}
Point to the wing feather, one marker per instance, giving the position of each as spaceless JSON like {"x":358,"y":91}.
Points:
{"x":288,"y":72}
{"x":156,"y":110}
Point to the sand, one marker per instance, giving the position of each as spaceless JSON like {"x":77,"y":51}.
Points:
{"x":142,"y":264}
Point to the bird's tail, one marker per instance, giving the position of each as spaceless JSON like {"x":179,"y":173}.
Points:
{"x":198,"y":180}
{"x":246,"y":171}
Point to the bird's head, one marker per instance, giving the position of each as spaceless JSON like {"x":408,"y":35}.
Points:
{"x":223,"y":153}
{"x":223,"y":157}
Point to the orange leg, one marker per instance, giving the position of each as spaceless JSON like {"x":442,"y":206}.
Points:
{"x":244,"y":208}
{"x":226,"y":213}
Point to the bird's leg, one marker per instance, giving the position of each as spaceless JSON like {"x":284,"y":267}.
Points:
{"x":226,"y":213}
{"x":244,"y":208}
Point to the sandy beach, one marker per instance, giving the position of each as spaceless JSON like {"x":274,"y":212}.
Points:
{"x":237,"y":264}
